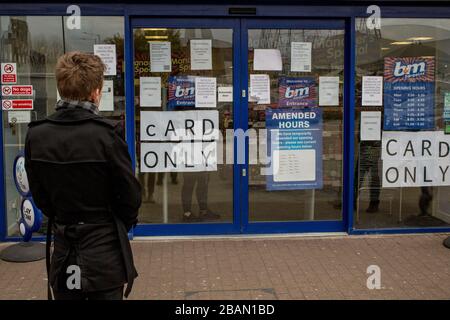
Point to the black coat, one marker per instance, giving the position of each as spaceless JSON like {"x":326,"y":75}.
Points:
{"x":80,"y":173}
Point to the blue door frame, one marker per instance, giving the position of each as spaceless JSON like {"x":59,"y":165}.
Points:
{"x":240,"y":222}
{"x":268,"y":12}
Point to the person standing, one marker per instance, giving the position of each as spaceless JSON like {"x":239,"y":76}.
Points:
{"x":81,"y":177}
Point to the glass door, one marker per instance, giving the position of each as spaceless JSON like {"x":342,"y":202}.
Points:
{"x":295,"y":109}
{"x":185,"y":84}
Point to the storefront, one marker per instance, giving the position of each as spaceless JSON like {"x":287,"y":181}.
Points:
{"x":324,"y":122}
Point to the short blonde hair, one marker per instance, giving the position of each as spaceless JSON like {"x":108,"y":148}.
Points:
{"x":78,"y":74}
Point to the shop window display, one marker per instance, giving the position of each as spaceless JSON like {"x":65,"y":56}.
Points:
{"x":401,"y":136}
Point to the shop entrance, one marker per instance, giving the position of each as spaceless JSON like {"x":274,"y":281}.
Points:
{"x":238,"y":125}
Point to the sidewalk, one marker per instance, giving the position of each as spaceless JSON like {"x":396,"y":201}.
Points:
{"x":412,"y":267}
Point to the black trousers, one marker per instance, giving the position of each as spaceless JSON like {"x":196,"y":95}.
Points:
{"x":111,"y":294}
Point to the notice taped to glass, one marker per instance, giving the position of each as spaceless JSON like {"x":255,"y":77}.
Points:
{"x":294,"y":143}
{"x":409,"y":93}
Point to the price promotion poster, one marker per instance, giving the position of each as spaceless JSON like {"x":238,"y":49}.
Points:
{"x":181,"y":92}
{"x":295,"y":149}
{"x":297,"y":92}
{"x":409,"y":93}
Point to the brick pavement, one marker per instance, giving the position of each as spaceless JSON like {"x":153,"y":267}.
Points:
{"x":412,"y":267}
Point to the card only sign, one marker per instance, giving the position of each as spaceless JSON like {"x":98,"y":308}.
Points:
{"x":178,"y":157}
{"x":415,"y":159}
{"x":180,"y":125}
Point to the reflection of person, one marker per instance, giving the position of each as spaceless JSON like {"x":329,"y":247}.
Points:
{"x":81,"y":177}
{"x":426,"y":197}
{"x":367,"y":163}
{"x":190,"y":179}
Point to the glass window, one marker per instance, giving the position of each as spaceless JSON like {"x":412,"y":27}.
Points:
{"x":166,"y":91}
{"x":401,"y":172}
{"x":35,"y":44}
{"x":283,"y":199}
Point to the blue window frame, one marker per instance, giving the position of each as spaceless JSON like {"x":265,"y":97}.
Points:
{"x":349,"y":13}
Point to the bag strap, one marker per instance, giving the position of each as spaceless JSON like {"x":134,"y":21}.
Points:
{"x":48,"y":244}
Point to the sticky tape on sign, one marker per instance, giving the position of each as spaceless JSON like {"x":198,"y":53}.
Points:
{"x":17,"y":104}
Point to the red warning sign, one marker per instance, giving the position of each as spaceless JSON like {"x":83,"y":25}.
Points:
{"x":16,"y":90}
{"x":17,"y":104}
{"x":8,"y":73}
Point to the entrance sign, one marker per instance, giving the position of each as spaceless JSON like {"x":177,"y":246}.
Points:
{"x":416,"y":159}
{"x":179,"y":125}
{"x":8,"y":73}
{"x":295,"y":146}
{"x":297,"y":92}
{"x":107,"y":52}
{"x":16,"y":90}
{"x":181,"y":92}
{"x":409,"y":93}
{"x":17,"y":104}
{"x":179,"y":157}
{"x":160,"y":56}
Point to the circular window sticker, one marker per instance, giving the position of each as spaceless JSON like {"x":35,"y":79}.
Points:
{"x":20,"y":176}
{"x":31,"y":215}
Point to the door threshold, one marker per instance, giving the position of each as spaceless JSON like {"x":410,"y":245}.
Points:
{"x":242,"y":236}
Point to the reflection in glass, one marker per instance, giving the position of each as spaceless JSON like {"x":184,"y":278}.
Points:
{"x":418,"y":206}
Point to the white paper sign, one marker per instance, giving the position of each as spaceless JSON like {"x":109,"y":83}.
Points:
{"x":107,"y":52}
{"x":201,"y":54}
{"x":205,"y":92}
{"x":179,"y":157}
{"x":19,"y":116}
{"x":372,"y":91}
{"x":415,"y":159}
{"x":259,"y":90}
{"x":301,"y":56}
{"x":179,"y":125}
{"x":370,"y":129}
{"x":107,"y":100}
{"x":294,"y":165}
{"x":160,"y":56}
{"x":328,"y":91}
{"x":150,"y":91}
{"x":267,"y":60}
{"x":225,"y":94}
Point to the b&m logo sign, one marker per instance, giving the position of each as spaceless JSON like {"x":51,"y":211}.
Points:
{"x":297,"y":92}
{"x":181,"y":92}
{"x":409,"y":69}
